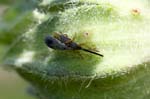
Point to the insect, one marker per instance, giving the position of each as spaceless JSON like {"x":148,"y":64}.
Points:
{"x":63,"y":42}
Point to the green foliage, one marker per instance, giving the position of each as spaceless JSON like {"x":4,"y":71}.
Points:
{"x":16,"y":20}
{"x":122,"y":35}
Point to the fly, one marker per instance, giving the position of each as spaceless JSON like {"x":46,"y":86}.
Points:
{"x":63,"y":42}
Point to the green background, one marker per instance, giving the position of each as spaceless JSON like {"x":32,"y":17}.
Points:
{"x":12,"y":86}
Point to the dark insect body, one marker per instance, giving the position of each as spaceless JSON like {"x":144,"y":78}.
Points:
{"x":55,"y":43}
{"x":62,"y":42}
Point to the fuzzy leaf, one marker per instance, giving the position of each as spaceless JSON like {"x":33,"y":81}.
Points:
{"x":120,"y":34}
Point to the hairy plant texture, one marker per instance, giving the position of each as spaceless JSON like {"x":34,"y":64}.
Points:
{"x":120,"y":31}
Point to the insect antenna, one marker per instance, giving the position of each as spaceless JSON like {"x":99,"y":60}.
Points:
{"x":92,"y":52}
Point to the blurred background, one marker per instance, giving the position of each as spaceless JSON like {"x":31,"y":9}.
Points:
{"x":11,"y":85}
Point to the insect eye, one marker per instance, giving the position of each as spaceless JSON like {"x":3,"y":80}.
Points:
{"x":48,"y":40}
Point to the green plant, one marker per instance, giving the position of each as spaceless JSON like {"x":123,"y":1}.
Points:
{"x":121,"y":34}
